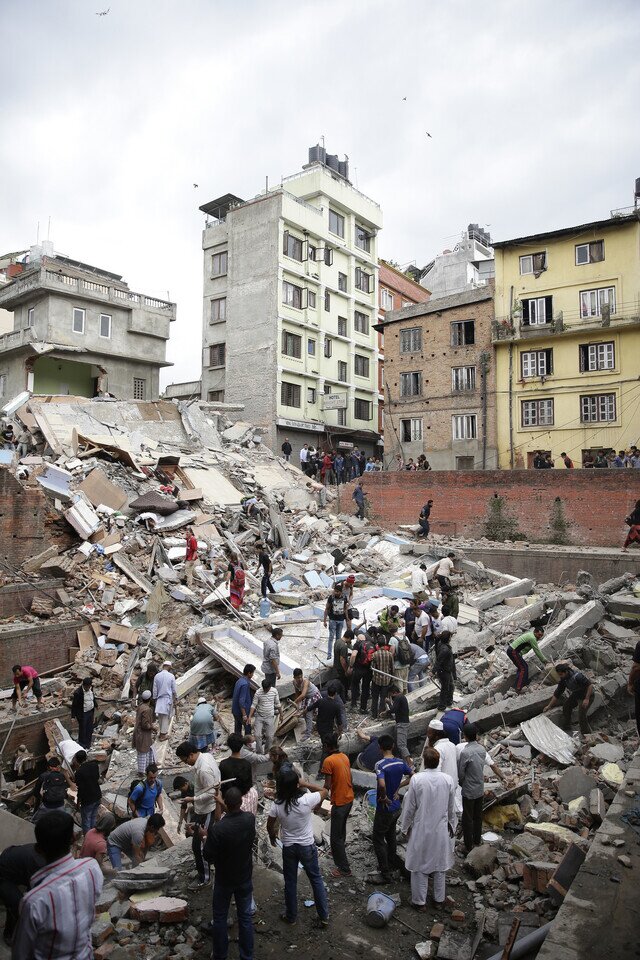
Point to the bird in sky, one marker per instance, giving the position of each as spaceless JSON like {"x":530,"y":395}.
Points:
{"x":196,"y":185}
{"x":404,"y":98}
{"x":428,"y":134}
{"x":102,"y":13}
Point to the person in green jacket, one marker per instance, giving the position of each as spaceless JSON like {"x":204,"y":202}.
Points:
{"x":389,"y":619}
{"x":516,"y":652}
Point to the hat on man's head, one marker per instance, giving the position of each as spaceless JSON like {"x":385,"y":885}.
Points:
{"x":202,"y":700}
{"x":166,"y":663}
{"x":436,"y":725}
{"x":146,"y":694}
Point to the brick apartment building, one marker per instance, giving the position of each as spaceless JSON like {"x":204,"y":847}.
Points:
{"x":440,"y":386}
{"x":395,"y":291}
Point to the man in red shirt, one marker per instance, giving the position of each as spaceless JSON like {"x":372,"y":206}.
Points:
{"x":192,"y":556}
{"x":25,"y":678}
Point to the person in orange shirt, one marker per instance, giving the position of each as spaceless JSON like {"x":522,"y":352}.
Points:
{"x":337,"y":780}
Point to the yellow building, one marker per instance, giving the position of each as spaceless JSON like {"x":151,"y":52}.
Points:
{"x":567,"y":340}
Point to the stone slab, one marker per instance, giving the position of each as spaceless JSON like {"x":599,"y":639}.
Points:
{"x":575,"y":782}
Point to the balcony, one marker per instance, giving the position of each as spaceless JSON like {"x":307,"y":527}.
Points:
{"x":568,"y":322}
{"x":16,"y":338}
{"x":15,"y":293}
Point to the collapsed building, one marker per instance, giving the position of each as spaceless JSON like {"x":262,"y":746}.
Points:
{"x":92,"y":584}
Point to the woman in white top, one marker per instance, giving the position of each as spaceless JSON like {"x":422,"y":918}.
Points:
{"x":292,"y":810}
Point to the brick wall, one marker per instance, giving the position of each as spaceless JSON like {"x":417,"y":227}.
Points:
{"x":43,"y":646}
{"x":595,"y":501}
{"x":24,"y":515}
{"x":30,"y":731}
{"x":15,"y":598}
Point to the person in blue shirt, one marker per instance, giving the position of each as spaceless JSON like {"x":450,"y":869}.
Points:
{"x":453,"y":721}
{"x":242,"y":699}
{"x":391,"y":772}
{"x":144,"y":798}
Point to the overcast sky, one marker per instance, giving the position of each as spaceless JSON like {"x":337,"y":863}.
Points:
{"x":107,"y":122}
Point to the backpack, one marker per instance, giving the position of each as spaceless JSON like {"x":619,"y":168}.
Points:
{"x":134,"y":783}
{"x":365,"y":654}
{"x":54,"y":788}
{"x":404,"y":651}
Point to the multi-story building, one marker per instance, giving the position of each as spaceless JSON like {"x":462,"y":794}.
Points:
{"x":290,"y":300}
{"x":440,"y":382}
{"x":395,"y":291}
{"x":469,"y":265}
{"x":80,"y":330}
{"x":567,"y":340}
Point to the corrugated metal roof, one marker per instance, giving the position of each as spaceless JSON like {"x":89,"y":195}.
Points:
{"x":549,"y":739}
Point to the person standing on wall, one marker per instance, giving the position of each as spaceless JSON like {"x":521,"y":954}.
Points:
{"x":358,"y":497}
{"x":83,"y":709}
{"x":423,"y":519}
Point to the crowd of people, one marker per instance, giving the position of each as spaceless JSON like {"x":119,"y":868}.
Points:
{"x":600,"y":459}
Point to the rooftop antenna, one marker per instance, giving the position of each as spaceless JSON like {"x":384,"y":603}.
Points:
{"x":322,"y":138}
{"x":38,"y":233}
{"x":266,"y":184}
{"x":355,"y":174}
{"x":48,"y":228}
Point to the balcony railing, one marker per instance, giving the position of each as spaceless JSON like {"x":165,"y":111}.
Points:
{"x":16,"y":338}
{"x":513,"y":328}
{"x":52,"y":280}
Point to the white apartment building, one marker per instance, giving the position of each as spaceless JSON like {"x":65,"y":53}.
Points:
{"x":290,"y":300}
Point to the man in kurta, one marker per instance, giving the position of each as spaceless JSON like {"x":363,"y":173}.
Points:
{"x":165,"y":695}
{"x":143,"y":733}
{"x":428,"y":816}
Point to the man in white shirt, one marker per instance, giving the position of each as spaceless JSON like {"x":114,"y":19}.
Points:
{"x":206,"y":784}
{"x":262,"y":716}
{"x":165,"y":694}
{"x":444,"y":571}
{"x":425,"y":627}
{"x":56,"y":914}
{"x":419,"y":581}
{"x":304,"y":456}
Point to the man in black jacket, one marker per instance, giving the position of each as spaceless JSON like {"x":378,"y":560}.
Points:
{"x":17,"y":866}
{"x":83,"y":710}
{"x":87,"y":776}
{"x":229,"y":847}
{"x":445,"y":671}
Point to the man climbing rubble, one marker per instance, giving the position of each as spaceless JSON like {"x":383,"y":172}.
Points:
{"x":165,"y":694}
{"x":206,"y":786}
{"x":191,"y":556}
{"x":516,"y":651}
{"x":25,"y":680}
{"x":581,"y":694}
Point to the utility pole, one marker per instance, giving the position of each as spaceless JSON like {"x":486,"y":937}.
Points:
{"x":484,"y":366}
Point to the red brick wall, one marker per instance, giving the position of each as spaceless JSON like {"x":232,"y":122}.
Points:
{"x":43,"y":646}
{"x":15,"y":598}
{"x":595,"y":501}
{"x":23,"y":515}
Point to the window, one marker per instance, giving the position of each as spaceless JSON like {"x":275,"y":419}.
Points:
{"x":291,"y":344}
{"x":336,"y":223}
{"x":362,"y":409}
{"x":411,"y":430}
{"x":361,"y":366}
{"x":363,"y":239}
{"x":342,"y":282}
{"x":327,"y":301}
{"x":360,"y":322}
{"x":411,"y":340}
{"x":342,"y":417}
{"x":31,"y":316}
{"x":311,"y":395}
{"x":536,"y":413}
{"x":463,"y":333}
{"x":328,"y":346}
{"x":311,"y":299}
{"x":342,"y":371}
{"x":533,"y":263}
{"x":217,"y":353}
{"x":464,"y":426}
{"x":219,"y":309}
{"x":592,"y":301}
{"x":290,"y":394}
{"x":216,"y":396}
{"x":536,"y":363}
{"x":327,"y":388}
{"x":311,"y":251}
{"x":311,"y":348}
{"x":463,"y":378}
{"x":410,"y":384}
{"x":597,"y":356}
{"x":537,"y":311}
{"x":386,"y":299}
{"x":78,"y":320}
{"x":292,"y":295}
{"x":105,"y":326}
{"x":599,"y":407}
{"x":363,"y":281}
{"x":219,"y":264}
{"x":292,"y":246}
{"x":589,"y":252}
{"x":342,"y":327}
{"x":139,"y":389}
{"x":328,"y":256}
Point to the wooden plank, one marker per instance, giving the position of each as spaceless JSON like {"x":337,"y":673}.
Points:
{"x":195,"y":675}
{"x":124,"y":564}
{"x":120,"y":634}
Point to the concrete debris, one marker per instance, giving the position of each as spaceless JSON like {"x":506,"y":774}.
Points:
{"x":108,"y":593}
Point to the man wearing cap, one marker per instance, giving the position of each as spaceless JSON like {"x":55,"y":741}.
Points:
{"x":581,"y":692}
{"x":165,"y":695}
{"x":202,"y":730}
{"x":143,"y":732}
{"x":438,"y":739}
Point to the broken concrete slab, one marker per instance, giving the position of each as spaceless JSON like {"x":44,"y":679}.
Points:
{"x":14,"y":830}
{"x":607,"y":752}
{"x":597,"y":805}
{"x":624,"y":605}
{"x":575,"y":782}
{"x":98,"y":489}
{"x":161,"y":910}
{"x":575,"y":625}
{"x":491,"y":598}
{"x":511,"y":711}
{"x":481,"y":860}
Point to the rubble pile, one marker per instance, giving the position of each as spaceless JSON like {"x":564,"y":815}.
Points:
{"x":124,"y":481}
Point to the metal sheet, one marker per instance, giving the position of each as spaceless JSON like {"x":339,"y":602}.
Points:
{"x":549,"y":739}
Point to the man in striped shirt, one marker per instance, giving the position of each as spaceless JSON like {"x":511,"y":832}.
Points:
{"x":382,"y":675}
{"x":57,"y":913}
{"x":265,"y":706}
